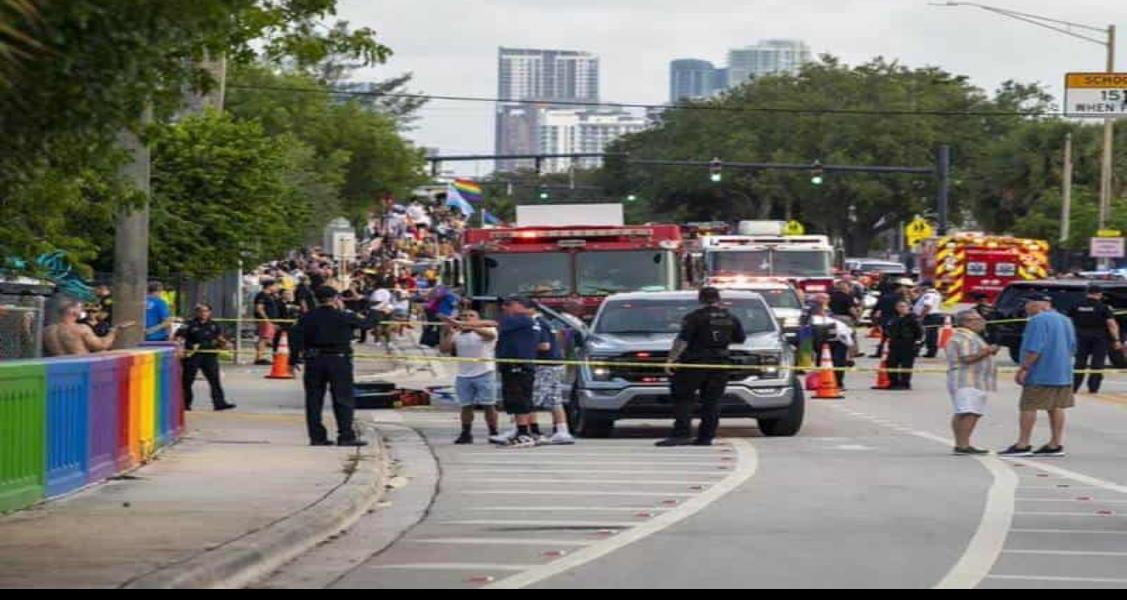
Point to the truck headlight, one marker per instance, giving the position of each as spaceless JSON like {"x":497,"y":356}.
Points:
{"x":600,"y":373}
{"x":770,"y":366}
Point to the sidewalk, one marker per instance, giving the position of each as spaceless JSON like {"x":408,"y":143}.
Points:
{"x":239,"y":495}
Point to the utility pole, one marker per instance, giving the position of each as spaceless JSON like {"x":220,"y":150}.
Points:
{"x":1066,"y":191}
{"x":131,"y":240}
{"x":943,"y":191}
{"x":1107,"y":164}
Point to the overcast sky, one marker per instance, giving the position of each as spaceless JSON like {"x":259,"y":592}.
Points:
{"x":451,"y":45}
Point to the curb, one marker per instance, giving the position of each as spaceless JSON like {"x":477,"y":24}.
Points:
{"x":252,"y":557}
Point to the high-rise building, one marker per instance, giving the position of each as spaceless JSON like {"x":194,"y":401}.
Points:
{"x":568,"y":131}
{"x":691,"y":78}
{"x":544,"y":76}
{"x":766,"y":58}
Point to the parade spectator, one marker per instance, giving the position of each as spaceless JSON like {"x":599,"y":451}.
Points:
{"x":1047,"y":348}
{"x":69,"y":337}
{"x":971,"y":376}
{"x":158,"y":316}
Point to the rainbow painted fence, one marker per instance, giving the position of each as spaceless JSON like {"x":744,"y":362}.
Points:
{"x":69,"y":422}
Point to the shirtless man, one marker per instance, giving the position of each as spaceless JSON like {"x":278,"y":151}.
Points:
{"x":68,"y":336}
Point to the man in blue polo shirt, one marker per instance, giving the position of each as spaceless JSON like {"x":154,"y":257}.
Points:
{"x":519,"y":340}
{"x":1047,"y":348}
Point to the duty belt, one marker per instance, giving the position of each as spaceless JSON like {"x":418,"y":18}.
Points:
{"x":314,"y":353}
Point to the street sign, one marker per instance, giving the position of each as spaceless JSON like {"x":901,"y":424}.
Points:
{"x":1109,"y":233}
{"x":1095,"y":95}
{"x":1106,"y":248}
{"x":918,"y":230}
{"x":793,"y":228}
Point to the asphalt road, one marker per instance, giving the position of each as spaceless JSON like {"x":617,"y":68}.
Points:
{"x":866,"y":496}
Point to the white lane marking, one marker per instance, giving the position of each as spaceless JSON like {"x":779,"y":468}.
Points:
{"x":583,"y":508}
{"x":1069,"y":531}
{"x":572,"y":493}
{"x":1073,"y":475}
{"x":511,"y":471}
{"x":990,"y":537}
{"x":547,"y":543}
{"x":538,"y":455}
{"x":986,"y":545}
{"x":617,"y":481}
{"x":1066,"y":488}
{"x":746,"y":468}
{"x":537,"y":523}
{"x":854,"y":447}
{"x":1057,"y":579}
{"x":572,"y":463}
{"x":1065,"y":552}
{"x":1067,"y":514}
{"x":1092,"y":501}
{"x":487,"y":567}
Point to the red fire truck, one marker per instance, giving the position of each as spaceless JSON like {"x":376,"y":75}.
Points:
{"x":804,"y":261}
{"x":969,"y":262}
{"x":556,"y":265}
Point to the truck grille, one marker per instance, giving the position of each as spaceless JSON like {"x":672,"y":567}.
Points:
{"x":634,"y":372}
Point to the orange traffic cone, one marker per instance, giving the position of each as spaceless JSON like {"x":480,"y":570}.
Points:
{"x":827,"y":385}
{"x":946,"y":333}
{"x":883,"y":381}
{"x":875,"y":333}
{"x":281,"y":368}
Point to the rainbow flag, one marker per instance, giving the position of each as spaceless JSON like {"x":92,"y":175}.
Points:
{"x":468,"y":190}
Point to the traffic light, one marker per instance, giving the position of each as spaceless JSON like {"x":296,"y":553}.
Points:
{"x":631,"y":198}
{"x":714,"y":167}
{"x":817,"y":174}
{"x":544,"y":194}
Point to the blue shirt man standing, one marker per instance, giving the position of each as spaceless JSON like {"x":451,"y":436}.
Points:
{"x":1047,"y":347}
{"x":518,"y":341}
{"x":158,"y":317}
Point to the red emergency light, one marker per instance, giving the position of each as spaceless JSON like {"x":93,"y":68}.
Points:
{"x":570,"y":233}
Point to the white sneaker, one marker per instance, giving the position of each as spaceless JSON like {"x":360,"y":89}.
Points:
{"x":503,"y":438}
{"x":561,"y":438}
{"x":541,"y":440}
{"x":520,"y":441}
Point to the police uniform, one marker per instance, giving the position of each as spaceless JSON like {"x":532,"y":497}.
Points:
{"x":322,"y":339}
{"x":904,"y":332}
{"x":707,"y":332}
{"x":205,"y":336}
{"x":1093,"y":340}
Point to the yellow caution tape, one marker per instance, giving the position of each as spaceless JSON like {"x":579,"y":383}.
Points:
{"x":661,"y":365}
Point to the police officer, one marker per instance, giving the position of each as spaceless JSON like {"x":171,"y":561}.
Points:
{"x":1096,"y":330}
{"x":322,"y":339}
{"x":705,"y":338}
{"x":202,"y":337}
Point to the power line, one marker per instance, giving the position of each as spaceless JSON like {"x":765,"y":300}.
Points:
{"x":704,"y":107}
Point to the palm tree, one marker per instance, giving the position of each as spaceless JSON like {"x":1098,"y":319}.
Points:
{"x":15,"y":41}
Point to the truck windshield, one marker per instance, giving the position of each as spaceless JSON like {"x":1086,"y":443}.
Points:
{"x":664,"y":316}
{"x":780,"y":298}
{"x":782,"y":263}
{"x":539,"y":274}
{"x":603,"y":273}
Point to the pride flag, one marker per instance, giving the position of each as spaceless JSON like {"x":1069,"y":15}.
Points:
{"x":468,"y":190}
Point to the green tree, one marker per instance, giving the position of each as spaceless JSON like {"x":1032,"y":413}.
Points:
{"x":96,"y":63}
{"x":221,"y":195}
{"x":815,"y":123}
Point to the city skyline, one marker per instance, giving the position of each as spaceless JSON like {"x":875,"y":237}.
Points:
{"x":457,"y":56}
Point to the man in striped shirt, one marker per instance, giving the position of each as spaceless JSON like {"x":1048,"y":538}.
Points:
{"x":971,"y":374}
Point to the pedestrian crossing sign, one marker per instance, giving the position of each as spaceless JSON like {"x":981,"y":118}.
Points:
{"x":918,"y":230}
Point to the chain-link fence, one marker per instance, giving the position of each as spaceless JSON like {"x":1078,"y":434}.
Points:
{"x":22,"y":318}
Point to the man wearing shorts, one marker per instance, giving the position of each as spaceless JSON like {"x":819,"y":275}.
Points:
{"x":266,"y":310}
{"x":476,"y":383}
{"x":547,"y":394}
{"x":971,"y":375}
{"x":1047,"y":349}
{"x":516,"y":349}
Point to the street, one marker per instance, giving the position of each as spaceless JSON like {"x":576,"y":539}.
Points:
{"x":867,"y":495}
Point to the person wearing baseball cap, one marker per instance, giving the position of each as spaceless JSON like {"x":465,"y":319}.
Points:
{"x":1096,"y":333}
{"x":1046,"y":375}
{"x":517,"y":345}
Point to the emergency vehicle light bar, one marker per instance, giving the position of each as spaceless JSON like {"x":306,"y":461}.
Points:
{"x":569,"y":233}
